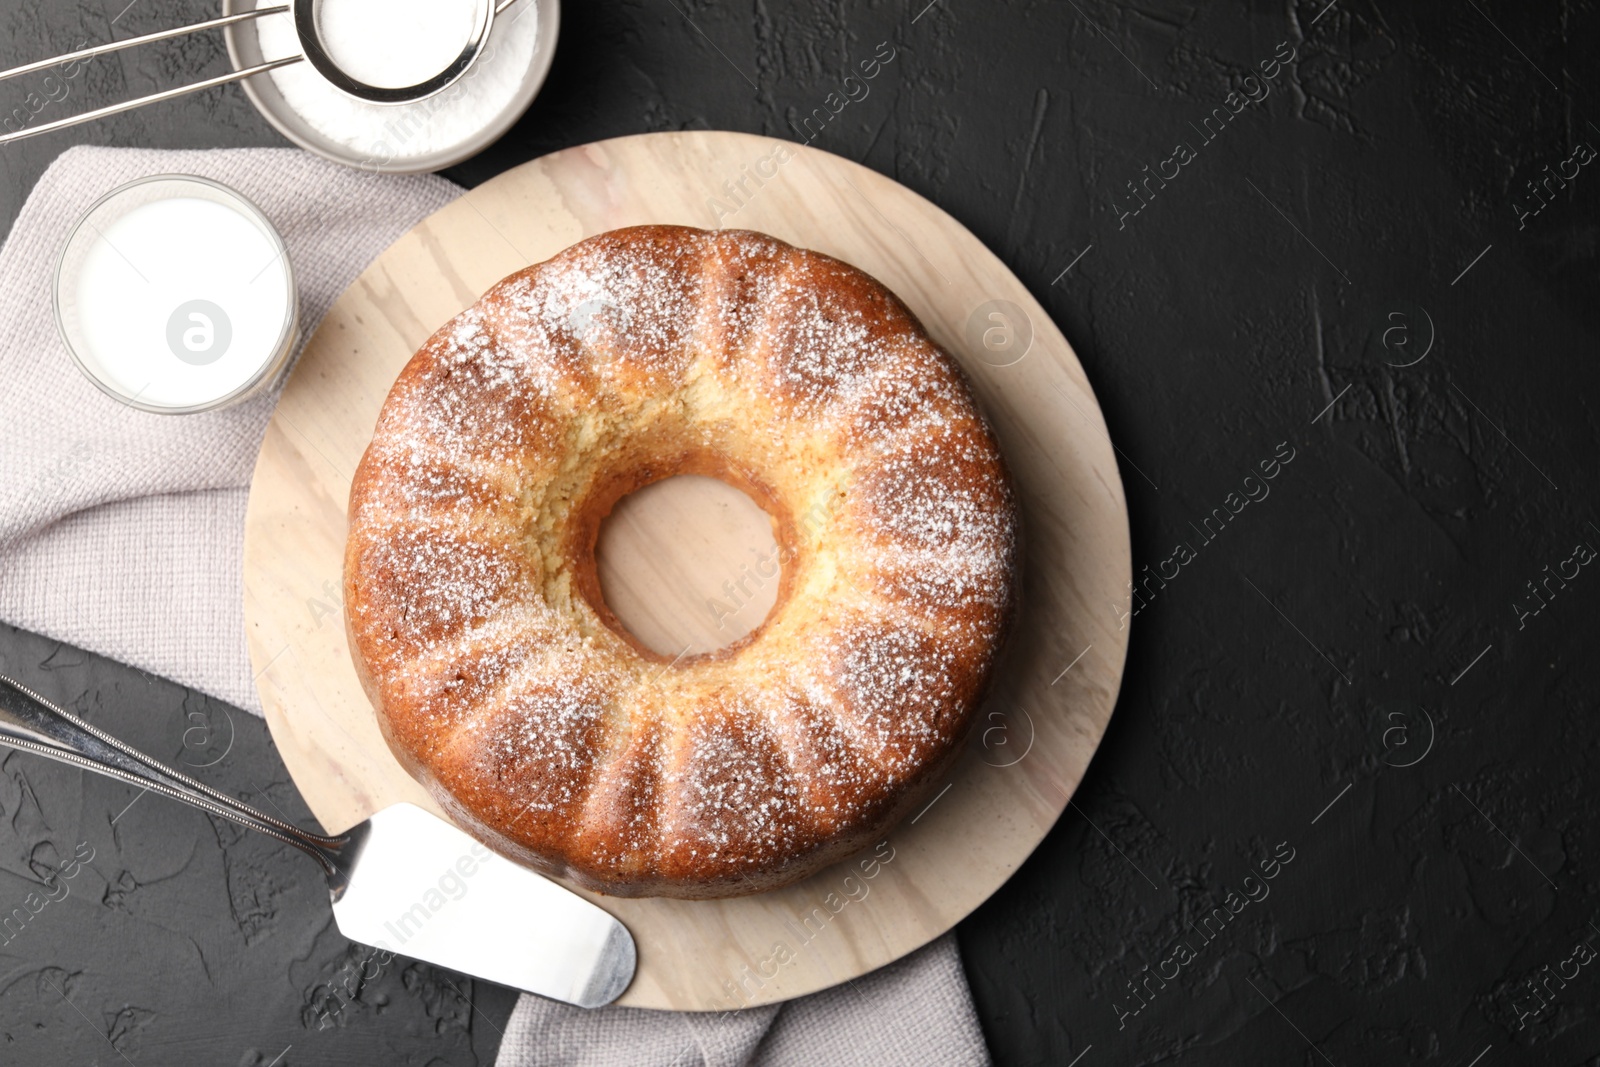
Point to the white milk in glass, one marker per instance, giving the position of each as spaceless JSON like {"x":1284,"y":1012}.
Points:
{"x":180,"y":302}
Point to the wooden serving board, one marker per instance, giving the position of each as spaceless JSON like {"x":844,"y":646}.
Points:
{"x":1062,"y":669}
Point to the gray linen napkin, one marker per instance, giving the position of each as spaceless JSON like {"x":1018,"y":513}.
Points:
{"x":121,"y":532}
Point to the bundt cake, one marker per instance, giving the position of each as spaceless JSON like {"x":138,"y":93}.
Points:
{"x":507,"y":687}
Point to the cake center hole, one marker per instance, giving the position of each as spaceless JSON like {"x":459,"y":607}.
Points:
{"x":688,"y":565}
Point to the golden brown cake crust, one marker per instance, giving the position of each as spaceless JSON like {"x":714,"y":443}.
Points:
{"x":504,"y":684}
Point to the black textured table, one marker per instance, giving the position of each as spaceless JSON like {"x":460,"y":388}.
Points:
{"x":1344,"y":813}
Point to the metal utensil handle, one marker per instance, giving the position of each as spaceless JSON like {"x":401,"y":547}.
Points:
{"x":153,"y":98}
{"x":33,"y":724}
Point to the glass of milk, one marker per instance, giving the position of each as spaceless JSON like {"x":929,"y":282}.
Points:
{"x":174,"y":294}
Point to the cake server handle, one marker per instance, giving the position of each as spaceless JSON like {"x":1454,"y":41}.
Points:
{"x":153,"y":98}
{"x":33,"y":724}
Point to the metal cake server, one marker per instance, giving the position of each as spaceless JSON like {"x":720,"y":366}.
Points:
{"x":404,"y":881}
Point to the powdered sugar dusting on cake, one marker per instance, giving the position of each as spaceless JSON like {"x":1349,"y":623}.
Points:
{"x":836,"y":779}
{"x":822,"y":344}
{"x":452,"y":683}
{"x":946,"y":588}
{"x":623,"y":309}
{"x":940,"y":492}
{"x":541,"y":747}
{"x":915,"y":393}
{"x":732,"y":797}
{"x":477,"y":664}
{"x":419,"y":586}
{"x":549,"y":730}
{"x":620,"y":821}
{"x":892,"y":687}
{"x":746,"y":275}
{"x":411,"y":481}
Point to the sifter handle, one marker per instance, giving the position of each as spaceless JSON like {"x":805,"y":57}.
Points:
{"x":153,"y":98}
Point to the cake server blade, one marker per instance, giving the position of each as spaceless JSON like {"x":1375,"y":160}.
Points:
{"x":420,"y":887}
{"x":404,"y":881}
